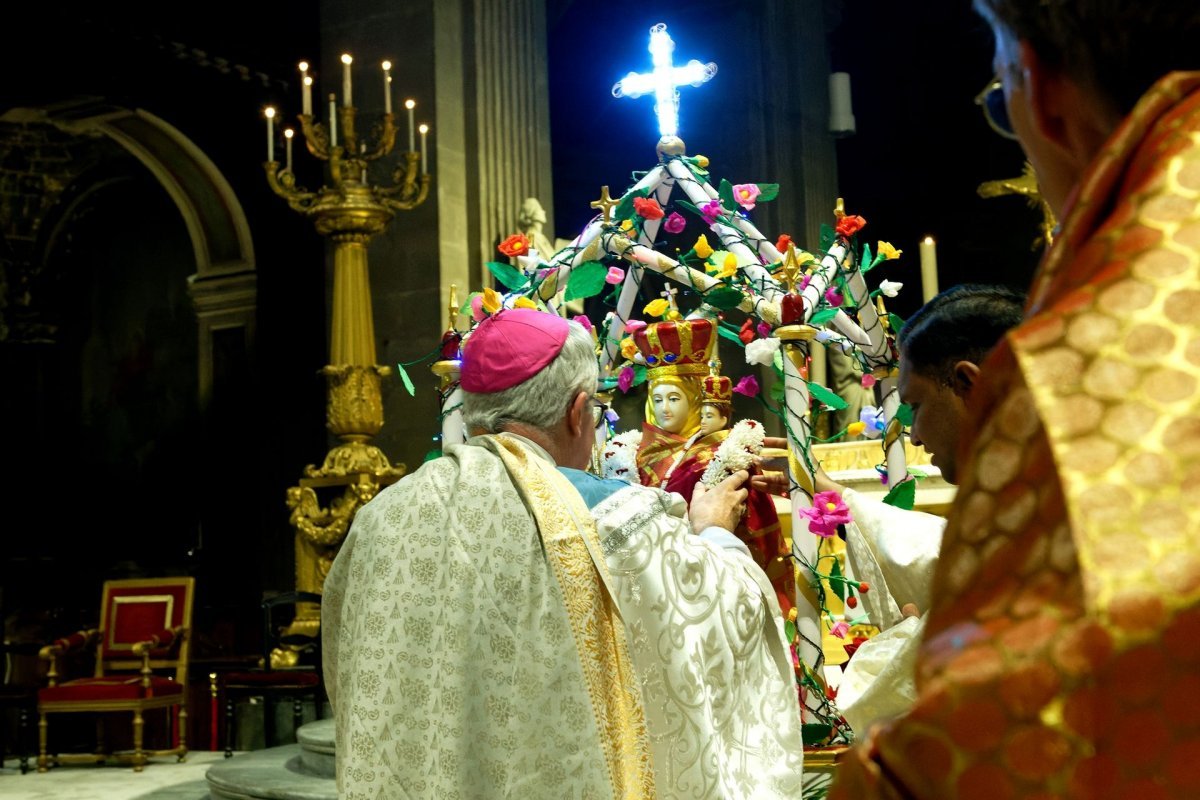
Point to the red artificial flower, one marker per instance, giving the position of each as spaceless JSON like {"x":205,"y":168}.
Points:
{"x":781,"y":244}
{"x":647,"y":207}
{"x":864,"y":587}
{"x":851,"y":602}
{"x":515,"y":245}
{"x":849,"y":225}
{"x":853,"y":646}
{"x":746,"y":334}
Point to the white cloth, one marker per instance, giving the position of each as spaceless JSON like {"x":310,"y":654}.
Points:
{"x":706,"y":636}
{"x":895,"y":551}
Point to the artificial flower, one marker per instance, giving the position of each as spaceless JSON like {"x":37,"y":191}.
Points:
{"x":737,"y":452}
{"x":700,"y":161}
{"x":886,"y":250}
{"x":826,"y":513}
{"x":702,"y":247}
{"x":873,"y":422}
{"x":675,"y":223}
{"x":890,"y":288}
{"x":634,"y":325}
{"x":674,"y":315}
{"x":868,"y":380}
{"x":626,"y":225}
{"x":747,"y":386}
{"x":722,"y":264}
{"x":833,"y":296}
{"x":762,"y":351}
{"x":620,"y":456}
{"x":492,"y":301}
{"x":764,"y":329}
{"x":746,"y":194}
{"x":615,"y":275}
{"x":851,"y":602}
{"x":625,"y":377}
{"x":711,"y":210}
{"x":628,"y":348}
{"x":583,"y":320}
{"x":647,"y":207}
{"x":524,"y":302}
{"x":515,"y":245}
{"x":849,"y":225}
{"x":864,"y":587}
{"x":477,"y":312}
{"x":656,"y":308}
{"x":804,"y":257}
{"x":746,"y":334}
{"x":840,"y":629}
{"x":781,"y":244}
{"x":856,"y":428}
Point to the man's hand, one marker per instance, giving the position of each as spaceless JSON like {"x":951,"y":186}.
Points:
{"x":722,"y":505}
{"x":774,"y":478}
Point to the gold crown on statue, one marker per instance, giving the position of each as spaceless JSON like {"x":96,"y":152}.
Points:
{"x":682,"y":347}
{"x":716,"y":389}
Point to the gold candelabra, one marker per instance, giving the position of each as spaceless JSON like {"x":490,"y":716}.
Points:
{"x":349,"y":210}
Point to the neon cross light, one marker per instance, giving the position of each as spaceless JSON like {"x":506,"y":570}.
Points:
{"x":664,"y":80}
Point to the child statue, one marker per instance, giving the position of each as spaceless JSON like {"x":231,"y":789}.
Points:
{"x":688,"y":408}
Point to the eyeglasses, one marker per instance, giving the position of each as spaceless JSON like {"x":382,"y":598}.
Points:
{"x":995,"y":111}
{"x":599,"y":414}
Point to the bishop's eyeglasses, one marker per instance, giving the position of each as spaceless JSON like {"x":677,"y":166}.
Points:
{"x":991,"y":100}
{"x":599,"y":413}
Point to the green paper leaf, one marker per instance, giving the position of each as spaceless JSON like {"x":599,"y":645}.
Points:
{"x":819,"y":318}
{"x":624,"y":209}
{"x":825,"y":396}
{"x":917,"y":473}
{"x":768,"y":191}
{"x":815,"y":733}
{"x":731,"y":335}
{"x":865,"y":261}
{"x":777,"y":391}
{"x":835,"y":581}
{"x":639,"y":375}
{"x":723,"y":297}
{"x":408,"y":384}
{"x":586,"y":280}
{"x":895,"y":323}
{"x":432,"y":454}
{"x":465,"y":308}
{"x":904,"y":415}
{"x":827,"y":237}
{"x":726,"y":194}
{"x":902,"y":495}
{"x":508,"y":275}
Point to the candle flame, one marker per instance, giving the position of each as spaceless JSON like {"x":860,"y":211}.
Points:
{"x":347,"y":58}
{"x":270,"y":112}
{"x":423,"y":128}
{"x":307,"y":81}
{"x":410,"y":104}
{"x":288,"y":133}
{"x":304,"y":66}
{"x":387,"y":65}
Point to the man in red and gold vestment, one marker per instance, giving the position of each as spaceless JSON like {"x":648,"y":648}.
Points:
{"x":1062,"y":652}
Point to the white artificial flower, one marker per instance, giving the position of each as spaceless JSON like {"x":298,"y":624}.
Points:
{"x":620,"y":457}
{"x":890,"y":288}
{"x":762,"y":351}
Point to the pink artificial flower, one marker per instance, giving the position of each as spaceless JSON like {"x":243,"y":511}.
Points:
{"x":868,"y":380}
{"x":633,"y":326}
{"x":675,"y":223}
{"x":827,"y":512}
{"x":711,"y":210}
{"x":747,"y":386}
{"x":833,"y":296}
{"x":805,"y":282}
{"x":764,"y":330}
{"x":840,"y":629}
{"x":477,"y":312}
{"x":625,"y":379}
{"x":746,"y":194}
{"x":615,"y":275}
{"x":584,"y":321}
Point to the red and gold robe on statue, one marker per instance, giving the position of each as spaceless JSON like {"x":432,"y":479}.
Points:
{"x":1062,"y":653}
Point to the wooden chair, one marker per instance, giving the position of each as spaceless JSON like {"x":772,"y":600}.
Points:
{"x":144,"y":627}
{"x":294,"y":683}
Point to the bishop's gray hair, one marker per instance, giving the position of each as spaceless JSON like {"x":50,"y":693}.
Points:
{"x":541,"y":401}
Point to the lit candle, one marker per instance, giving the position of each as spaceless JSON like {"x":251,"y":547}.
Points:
{"x":288,"y":133}
{"x":305,"y":90}
{"x":424,"y":154}
{"x":347,"y":99}
{"x":410,"y":105}
{"x":270,"y":114}
{"x":929,"y":277}
{"x":387,"y":87}
{"x":332,"y":120}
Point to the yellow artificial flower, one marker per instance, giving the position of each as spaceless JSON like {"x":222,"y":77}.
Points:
{"x":855,"y":428}
{"x":701,"y":161}
{"x":628,"y":348}
{"x":729,"y":266}
{"x":674,"y":315}
{"x":701,"y":247}
{"x":804,"y":257}
{"x":626,"y":225}
{"x":491,"y":301}
{"x":886,"y":250}
{"x":656,"y":308}
{"x":524,"y":302}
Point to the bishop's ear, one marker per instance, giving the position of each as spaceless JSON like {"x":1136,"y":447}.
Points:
{"x":579,"y":414}
{"x":966,"y":373}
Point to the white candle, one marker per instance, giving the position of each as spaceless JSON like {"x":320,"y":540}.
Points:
{"x":270,"y":114}
{"x":387,"y":87}
{"x":332,"y":120}
{"x":424,"y":153}
{"x":288,"y":133}
{"x":347,"y":99}
{"x":410,"y":105}
{"x":305,"y":90}
{"x":929,"y":276}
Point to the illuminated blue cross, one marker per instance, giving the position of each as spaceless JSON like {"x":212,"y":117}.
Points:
{"x":664,"y":80}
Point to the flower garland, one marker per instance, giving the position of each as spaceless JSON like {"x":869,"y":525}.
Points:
{"x":737,"y":452}
{"x":619,"y":460}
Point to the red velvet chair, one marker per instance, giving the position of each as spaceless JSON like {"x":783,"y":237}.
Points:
{"x":143,"y":631}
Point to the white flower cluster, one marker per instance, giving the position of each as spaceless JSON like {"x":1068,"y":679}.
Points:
{"x":743,"y":443}
{"x":620,"y":457}
{"x":762,"y":351}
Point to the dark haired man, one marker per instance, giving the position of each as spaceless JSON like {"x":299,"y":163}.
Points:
{"x":1060,"y":657}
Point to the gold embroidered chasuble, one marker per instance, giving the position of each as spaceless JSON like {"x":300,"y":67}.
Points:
{"x":473,"y":648}
{"x":1062,"y":655}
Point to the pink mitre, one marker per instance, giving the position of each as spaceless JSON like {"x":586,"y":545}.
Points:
{"x":510,"y":347}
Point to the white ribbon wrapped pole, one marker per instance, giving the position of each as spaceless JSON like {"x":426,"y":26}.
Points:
{"x":450,"y":396}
